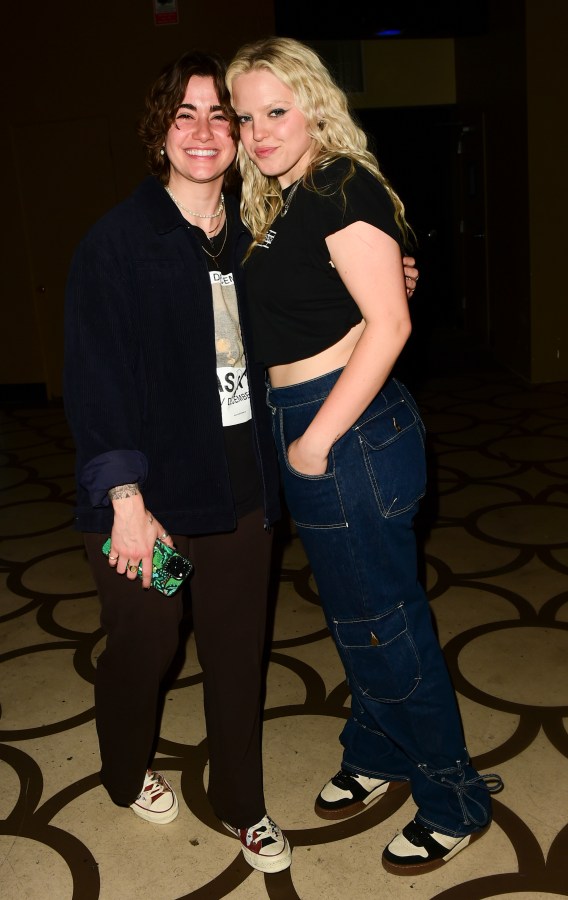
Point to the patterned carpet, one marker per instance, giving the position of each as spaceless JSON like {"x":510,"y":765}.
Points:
{"x":494,"y":530}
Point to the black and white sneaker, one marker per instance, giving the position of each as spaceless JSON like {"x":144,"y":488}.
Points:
{"x":265,"y":846}
{"x":418,"y":849}
{"x":347,"y":794}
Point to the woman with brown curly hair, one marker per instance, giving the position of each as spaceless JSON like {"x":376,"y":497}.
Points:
{"x":173,"y":443}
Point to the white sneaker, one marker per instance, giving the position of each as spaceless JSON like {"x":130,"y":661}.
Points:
{"x":417,"y":849}
{"x":265,"y":847}
{"x":156,"y":802}
{"x":347,"y":793}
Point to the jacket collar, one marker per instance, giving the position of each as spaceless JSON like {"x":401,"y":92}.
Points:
{"x":160,"y":210}
{"x":163,"y":214}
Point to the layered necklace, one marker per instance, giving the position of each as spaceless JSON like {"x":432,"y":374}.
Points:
{"x":214,"y":215}
{"x":199,"y":215}
{"x":212,"y":253}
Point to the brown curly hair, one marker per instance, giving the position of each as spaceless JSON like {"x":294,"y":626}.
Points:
{"x":165,"y":96}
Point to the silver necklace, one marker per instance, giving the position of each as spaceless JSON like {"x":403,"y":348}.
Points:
{"x":221,"y":248}
{"x":290,"y":197}
{"x":198,"y":215}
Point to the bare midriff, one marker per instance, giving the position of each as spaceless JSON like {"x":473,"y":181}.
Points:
{"x":334,"y":357}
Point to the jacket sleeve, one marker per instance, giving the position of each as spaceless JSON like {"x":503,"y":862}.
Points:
{"x":103,"y":388}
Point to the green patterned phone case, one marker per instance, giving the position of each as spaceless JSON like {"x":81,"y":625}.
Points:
{"x":169,"y":568}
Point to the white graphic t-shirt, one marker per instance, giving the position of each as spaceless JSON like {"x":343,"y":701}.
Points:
{"x":232,"y":377}
{"x":231,"y":365}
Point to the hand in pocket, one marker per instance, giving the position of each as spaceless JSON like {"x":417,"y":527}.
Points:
{"x":306,"y":463}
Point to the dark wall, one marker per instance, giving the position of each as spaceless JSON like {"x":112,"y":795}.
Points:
{"x":368,"y":19}
{"x":74,"y":77}
{"x":65,"y":60}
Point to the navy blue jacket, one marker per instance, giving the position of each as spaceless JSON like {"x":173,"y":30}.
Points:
{"x":140,"y":381}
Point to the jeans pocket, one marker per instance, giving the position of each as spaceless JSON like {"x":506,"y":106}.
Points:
{"x":393,"y":451}
{"x":313,"y":501}
{"x":380,"y":657}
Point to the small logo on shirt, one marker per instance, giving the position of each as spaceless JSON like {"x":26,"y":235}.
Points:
{"x":218,"y":278}
{"x":268,"y":238}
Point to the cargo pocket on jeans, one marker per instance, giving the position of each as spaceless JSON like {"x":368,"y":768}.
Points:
{"x":380,"y":656}
{"x":393,"y":453}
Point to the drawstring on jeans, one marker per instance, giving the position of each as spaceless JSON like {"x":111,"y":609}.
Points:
{"x":490,"y":782}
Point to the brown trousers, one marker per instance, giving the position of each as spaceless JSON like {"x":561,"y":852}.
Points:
{"x":228,"y":588}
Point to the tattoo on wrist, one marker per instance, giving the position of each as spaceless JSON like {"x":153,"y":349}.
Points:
{"x":122,"y":491}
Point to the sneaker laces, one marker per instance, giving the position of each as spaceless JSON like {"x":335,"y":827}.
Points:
{"x":416,"y":833}
{"x":154,"y":786}
{"x":343,"y":780}
{"x":264,"y":833}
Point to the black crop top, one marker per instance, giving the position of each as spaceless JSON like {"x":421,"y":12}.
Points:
{"x":298,"y":304}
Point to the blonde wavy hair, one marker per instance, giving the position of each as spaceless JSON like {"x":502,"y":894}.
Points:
{"x":328,"y":120}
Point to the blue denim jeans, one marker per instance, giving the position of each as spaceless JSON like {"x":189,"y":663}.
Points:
{"x":356,"y":525}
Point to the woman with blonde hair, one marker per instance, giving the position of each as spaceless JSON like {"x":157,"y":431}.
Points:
{"x":329,"y":318}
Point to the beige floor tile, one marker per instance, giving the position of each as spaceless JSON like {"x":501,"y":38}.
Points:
{"x":496,"y":567}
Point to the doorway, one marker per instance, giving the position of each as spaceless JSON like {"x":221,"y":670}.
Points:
{"x":417,"y":149}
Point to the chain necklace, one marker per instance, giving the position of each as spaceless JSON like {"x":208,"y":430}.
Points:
{"x":221,"y":248}
{"x":214,"y":215}
{"x":290,"y":197}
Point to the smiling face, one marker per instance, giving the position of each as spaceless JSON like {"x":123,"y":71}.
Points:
{"x":198,"y":144}
{"x":273,"y":130}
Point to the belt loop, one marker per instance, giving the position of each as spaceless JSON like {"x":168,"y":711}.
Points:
{"x":268,"y":403}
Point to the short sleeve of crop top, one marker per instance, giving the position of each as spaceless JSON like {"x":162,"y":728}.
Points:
{"x":298,"y":304}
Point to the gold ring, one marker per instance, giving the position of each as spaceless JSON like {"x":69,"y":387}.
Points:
{"x":164,"y":536}
{"x":132,"y":568}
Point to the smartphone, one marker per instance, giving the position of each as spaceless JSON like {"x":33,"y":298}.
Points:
{"x":169,"y":568}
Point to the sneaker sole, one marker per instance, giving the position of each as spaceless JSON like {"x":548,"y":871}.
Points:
{"x":269,"y":863}
{"x":433,"y":864}
{"x":359,"y":805}
{"x":155,"y":817}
